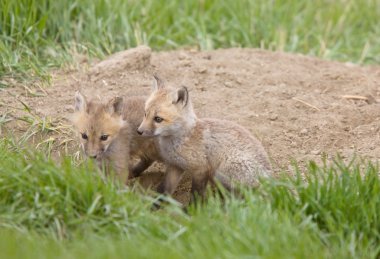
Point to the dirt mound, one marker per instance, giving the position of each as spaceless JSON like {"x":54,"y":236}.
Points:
{"x":300,"y":107}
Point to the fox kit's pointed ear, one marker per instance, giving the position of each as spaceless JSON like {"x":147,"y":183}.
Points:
{"x":115,"y":105}
{"x":157,"y":83}
{"x":80,"y":102}
{"x":181,"y":96}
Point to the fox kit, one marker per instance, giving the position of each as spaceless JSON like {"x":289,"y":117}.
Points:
{"x":210,"y":149}
{"x":108,"y":134}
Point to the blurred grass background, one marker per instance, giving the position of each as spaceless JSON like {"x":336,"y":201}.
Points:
{"x":38,"y":34}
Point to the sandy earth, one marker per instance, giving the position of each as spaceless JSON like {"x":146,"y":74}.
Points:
{"x":300,"y":107}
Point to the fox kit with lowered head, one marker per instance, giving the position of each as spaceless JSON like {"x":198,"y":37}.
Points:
{"x":209,"y":149}
{"x":108,"y":134}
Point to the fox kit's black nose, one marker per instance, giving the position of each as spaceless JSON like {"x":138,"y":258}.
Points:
{"x":139,"y":131}
{"x":93,"y":156}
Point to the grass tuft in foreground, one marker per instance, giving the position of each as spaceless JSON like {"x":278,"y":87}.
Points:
{"x":58,"y":200}
{"x":66,"y":211}
{"x":343,"y":200}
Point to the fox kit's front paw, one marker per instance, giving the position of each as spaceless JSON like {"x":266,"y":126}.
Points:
{"x":140,"y":167}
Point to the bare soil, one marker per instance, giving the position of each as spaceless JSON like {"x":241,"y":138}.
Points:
{"x":302,"y":108}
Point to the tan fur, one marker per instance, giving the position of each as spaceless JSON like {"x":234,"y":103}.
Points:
{"x":210,"y":149}
{"x":118,"y":119}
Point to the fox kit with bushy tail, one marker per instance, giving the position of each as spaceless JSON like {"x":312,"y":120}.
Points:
{"x":209,"y":149}
{"x":108,"y":134}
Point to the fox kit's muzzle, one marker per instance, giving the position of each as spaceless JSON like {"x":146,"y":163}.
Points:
{"x":144,"y":129}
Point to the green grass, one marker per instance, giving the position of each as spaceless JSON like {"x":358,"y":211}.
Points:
{"x":66,"y":211}
{"x":38,"y":35}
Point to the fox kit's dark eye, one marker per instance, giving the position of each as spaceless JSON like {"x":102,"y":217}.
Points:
{"x":158,"y":119}
{"x":103,"y":137}
{"x":84,"y":136}
{"x":144,"y":114}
